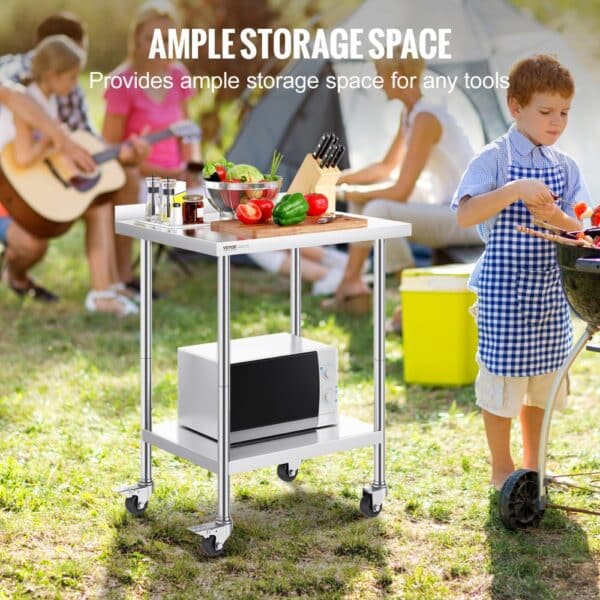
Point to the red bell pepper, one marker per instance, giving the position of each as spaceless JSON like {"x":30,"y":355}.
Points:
{"x":317,"y":204}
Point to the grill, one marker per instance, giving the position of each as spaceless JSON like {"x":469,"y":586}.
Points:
{"x":580,"y":270}
{"x":524,"y":495}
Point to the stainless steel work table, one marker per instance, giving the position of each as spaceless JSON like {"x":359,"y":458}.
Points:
{"x":286,"y":451}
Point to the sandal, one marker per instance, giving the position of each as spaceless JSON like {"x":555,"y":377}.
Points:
{"x":394,"y":323}
{"x":359,"y":304}
{"x":134,"y":286}
{"x":31,"y":290}
{"x":328,"y":284}
{"x":123,"y":290}
{"x":127,"y":307}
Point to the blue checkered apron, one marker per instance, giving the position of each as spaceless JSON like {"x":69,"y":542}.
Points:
{"x":523,"y":318}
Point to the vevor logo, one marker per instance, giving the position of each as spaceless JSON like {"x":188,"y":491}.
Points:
{"x":232,"y":247}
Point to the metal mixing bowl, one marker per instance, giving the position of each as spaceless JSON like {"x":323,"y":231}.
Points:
{"x":226,"y":196}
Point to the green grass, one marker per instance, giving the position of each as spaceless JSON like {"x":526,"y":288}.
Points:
{"x":69,"y":437}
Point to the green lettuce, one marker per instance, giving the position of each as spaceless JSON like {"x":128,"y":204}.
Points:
{"x":245,"y":173}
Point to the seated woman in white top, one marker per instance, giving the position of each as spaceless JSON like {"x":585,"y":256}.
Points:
{"x":432,"y":152}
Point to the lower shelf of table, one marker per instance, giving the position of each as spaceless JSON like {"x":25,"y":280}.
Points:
{"x":202,"y":451}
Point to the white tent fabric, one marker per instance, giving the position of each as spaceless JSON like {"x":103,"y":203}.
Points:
{"x":493,"y":31}
{"x":372,"y":120}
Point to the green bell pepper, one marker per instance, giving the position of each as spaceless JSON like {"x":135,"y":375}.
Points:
{"x":290,"y":210}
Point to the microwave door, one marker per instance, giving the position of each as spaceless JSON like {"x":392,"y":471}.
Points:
{"x":274,"y":390}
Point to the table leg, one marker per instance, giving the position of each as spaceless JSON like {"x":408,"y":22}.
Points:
{"x":545,"y":430}
{"x":215,"y":534}
{"x":295,"y":292}
{"x":374,"y":494}
{"x":291,"y":469}
{"x":137,"y":496}
{"x":223,"y":340}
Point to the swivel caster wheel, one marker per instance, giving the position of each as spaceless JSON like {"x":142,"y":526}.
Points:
{"x":131,"y":504}
{"x":209,"y":545}
{"x":367,"y":508}
{"x":518,"y":501}
{"x":285,"y":473}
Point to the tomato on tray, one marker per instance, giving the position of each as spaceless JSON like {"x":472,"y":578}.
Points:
{"x":266,"y":207}
{"x":317,"y":204}
{"x":250,"y":213}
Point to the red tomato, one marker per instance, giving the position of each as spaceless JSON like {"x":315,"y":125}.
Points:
{"x":317,"y":204}
{"x":595,"y":218}
{"x":579,"y":209}
{"x":269,"y":194}
{"x":248,"y":213}
{"x":266,"y":207}
{"x":221,"y":172}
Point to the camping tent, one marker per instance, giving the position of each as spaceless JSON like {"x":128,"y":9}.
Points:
{"x":487,"y":38}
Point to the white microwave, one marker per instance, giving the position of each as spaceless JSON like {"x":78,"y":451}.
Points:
{"x":280,"y":384}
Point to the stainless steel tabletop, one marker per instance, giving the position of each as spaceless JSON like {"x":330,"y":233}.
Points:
{"x":129,"y":221}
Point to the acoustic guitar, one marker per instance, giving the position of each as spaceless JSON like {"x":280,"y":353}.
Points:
{"x":47,"y":197}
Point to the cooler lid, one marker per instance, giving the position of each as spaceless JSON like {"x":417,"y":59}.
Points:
{"x":446,"y":278}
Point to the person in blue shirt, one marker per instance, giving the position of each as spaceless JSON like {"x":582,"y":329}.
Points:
{"x":522,"y":314}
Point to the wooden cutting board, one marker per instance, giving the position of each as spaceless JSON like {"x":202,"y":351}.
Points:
{"x":262,"y":230}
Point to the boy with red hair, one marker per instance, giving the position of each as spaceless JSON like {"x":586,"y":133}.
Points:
{"x":523,"y":317}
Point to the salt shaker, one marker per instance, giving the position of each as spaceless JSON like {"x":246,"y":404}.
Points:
{"x":152,"y":197}
{"x":176,"y":213}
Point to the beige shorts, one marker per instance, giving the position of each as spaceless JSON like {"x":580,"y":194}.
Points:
{"x":504,"y":396}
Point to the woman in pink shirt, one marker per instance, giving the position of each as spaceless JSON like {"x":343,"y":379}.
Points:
{"x":133,"y":110}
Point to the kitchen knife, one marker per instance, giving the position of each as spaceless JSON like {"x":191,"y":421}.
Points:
{"x":330,"y":139}
{"x":319,"y":146}
{"x":329,"y":155}
{"x":333,"y":157}
{"x":338,"y":155}
{"x":332,"y":147}
{"x":338,"y":145}
{"x":326,"y":219}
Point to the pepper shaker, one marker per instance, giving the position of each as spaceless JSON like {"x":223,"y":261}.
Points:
{"x":168,"y":192}
{"x":152,"y":197}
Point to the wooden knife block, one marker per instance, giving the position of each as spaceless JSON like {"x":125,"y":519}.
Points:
{"x":311,"y":178}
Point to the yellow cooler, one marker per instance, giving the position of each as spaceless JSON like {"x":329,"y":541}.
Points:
{"x":439,"y":334}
